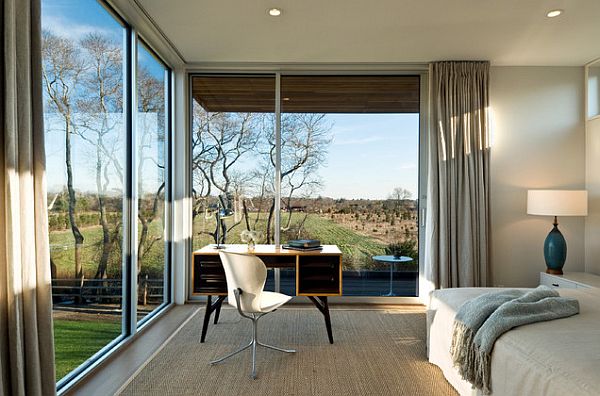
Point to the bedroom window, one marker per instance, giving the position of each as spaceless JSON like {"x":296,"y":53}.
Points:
{"x":100,"y":156}
{"x":349,"y":172}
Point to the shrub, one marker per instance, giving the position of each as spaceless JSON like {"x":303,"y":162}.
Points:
{"x":407,"y":248}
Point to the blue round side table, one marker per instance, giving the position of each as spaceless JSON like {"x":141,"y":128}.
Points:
{"x":392,"y":260}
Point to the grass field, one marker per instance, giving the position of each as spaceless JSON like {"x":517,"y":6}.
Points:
{"x":62,"y":252}
{"x":75,"y":341}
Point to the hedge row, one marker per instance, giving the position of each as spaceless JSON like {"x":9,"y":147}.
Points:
{"x":60,"y":221}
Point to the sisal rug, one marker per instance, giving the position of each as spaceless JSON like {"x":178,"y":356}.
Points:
{"x":376,"y":352}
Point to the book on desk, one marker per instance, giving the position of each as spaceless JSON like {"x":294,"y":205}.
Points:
{"x":304,"y":243}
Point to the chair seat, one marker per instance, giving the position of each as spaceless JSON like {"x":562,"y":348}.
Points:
{"x":269,"y":301}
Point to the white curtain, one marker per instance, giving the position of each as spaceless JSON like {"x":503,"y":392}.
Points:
{"x":457,"y":220}
{"x":26,"y":339}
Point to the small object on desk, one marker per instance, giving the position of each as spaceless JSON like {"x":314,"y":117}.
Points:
{"x":305,"y":249}
{"x":304,"y":243}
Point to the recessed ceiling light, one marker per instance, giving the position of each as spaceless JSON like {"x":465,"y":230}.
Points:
{"x":286,"y":99}
{"x":554,"y":13}
{"x":274,"y":11}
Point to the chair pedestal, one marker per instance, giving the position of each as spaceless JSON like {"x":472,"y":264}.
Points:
{"x":253,"y":343}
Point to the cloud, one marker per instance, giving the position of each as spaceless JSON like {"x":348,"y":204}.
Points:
{"x":66,"y":27}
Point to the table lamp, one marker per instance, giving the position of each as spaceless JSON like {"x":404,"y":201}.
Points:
{"x":556,"y":203}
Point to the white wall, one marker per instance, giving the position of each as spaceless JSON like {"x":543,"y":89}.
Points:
{"x":538,"y":142}
{"x":592,"y":221}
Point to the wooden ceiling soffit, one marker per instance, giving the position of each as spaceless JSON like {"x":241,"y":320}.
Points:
{"x":308,"y":94}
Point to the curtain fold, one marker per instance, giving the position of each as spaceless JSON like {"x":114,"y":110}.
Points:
{"x":457,"y":219}
{"x":26,"y":334}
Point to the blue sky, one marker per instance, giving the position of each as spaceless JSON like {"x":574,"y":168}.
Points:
{"x":76,"y":18}
{"x":371,"y":154}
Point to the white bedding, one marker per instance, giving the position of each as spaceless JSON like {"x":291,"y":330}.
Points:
{"x":559,"y":357}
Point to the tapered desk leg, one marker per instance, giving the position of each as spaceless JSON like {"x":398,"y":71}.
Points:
{"x":327,"y":320}
{"x":207,"y":313}
{"x":218,"y":311}
{"x":210,"y":307}
{"x":323,"y":307}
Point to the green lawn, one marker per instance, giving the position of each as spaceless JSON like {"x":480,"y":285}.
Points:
{"x":62,"y":251}
{"x":76,"y":341}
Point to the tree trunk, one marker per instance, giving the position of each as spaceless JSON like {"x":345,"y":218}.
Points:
{"x":142,"y":242}
{"x":245,"y":208}
{"x":269,"y":220}
{"x":72,"y":201}
{"x":106,"y":245}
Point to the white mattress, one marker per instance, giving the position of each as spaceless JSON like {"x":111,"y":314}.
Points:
{"x":559,"y":357}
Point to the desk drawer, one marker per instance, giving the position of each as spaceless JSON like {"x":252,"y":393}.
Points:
{"x":209,"y":275}
{"x":319,"y":275}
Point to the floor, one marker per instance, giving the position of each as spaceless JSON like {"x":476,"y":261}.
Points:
{"x":387,"y":359}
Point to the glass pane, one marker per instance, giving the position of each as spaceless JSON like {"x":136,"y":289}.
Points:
{"x":151,"y":157}
{"x":233,"y":140}
{"x":350,"y":149}
{"x":85,"y":155}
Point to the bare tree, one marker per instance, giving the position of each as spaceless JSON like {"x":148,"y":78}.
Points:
{"x":399,"y":195}
{"x":219,"y":142}
{"x":305,"y":140}
{"x":62,"y":70}
{"x":102,"y":99}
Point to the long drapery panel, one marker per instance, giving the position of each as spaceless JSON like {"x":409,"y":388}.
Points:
{"x":26,"y":336}
{"x":458,"y":193}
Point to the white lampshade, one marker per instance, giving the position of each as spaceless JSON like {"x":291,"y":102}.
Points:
{"x":557,"y":202}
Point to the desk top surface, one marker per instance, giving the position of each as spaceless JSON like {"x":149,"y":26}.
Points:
{"x":270,"y":250}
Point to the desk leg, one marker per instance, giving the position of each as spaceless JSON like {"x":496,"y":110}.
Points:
{"x":209,"y":310}
{"x":218,"y":310}
{"x":323,"y":307}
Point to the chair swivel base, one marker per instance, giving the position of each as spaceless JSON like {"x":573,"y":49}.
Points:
{"x":253,"y":345}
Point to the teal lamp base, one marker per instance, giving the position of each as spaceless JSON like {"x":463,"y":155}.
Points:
{"x":555,"y":251}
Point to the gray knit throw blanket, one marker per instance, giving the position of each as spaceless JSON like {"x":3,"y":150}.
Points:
{"x":481,"y":320}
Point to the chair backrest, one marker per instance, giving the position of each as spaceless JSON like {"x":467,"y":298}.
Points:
{"x":248,"y":273}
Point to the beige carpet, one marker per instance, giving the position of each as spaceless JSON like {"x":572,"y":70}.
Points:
{"x":376,"y":352}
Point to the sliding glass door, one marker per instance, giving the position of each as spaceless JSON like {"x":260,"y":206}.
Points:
{"x":348,"y":171}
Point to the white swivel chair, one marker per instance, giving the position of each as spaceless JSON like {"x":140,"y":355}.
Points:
{"x":246,"y":276}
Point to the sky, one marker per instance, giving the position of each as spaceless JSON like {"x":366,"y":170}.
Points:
{"x":74,"y":19}
{"x":370,"y":155}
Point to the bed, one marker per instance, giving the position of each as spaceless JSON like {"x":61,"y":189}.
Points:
{"x":559,"y":357}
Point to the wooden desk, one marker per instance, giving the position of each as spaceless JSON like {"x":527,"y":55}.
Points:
{"x":318,"y":275}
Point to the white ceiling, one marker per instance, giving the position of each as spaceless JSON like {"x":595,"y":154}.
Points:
{"x":506,"y":32}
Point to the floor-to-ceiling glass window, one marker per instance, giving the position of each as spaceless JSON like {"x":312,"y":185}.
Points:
{"x":349,"y":170}
{"x":83,"y":55}
{"x":92,"y":78}
{"x":152,"y":155}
